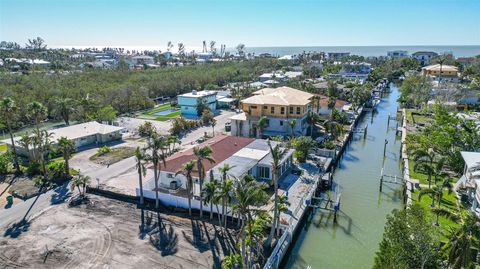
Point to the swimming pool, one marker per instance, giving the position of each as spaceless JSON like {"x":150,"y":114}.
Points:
{"x":165,"y":111}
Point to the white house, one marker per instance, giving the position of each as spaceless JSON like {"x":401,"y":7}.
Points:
{"x":424,"y":57}
{"x":397,"y":54}
{"x":470,"y":180}
{"x":245,"y":155}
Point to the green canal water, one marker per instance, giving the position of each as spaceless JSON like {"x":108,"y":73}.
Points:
{"x":353,"y":241}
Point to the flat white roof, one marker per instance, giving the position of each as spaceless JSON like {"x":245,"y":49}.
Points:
{"x":471,"y":158}
{"x":251,"y":153}
{"x":196,"y":94}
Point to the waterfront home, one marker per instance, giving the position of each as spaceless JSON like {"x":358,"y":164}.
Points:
{"x":323,"y":108}
{"x":469,"y":184}
{"x":188,"y":102}
{"x":83,"y":135}
{"x":397,"y":54}
{"x":442,"y":73}
{"x":271,"y":76}
{"x":424,"y":57}
{"x":245,"y":156}
{"x":281,"y":106}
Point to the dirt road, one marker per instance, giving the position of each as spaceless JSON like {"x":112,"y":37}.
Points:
{"x":106,"y":233}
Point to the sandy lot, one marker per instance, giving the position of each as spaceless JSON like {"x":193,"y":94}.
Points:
{"x":106,"y":233}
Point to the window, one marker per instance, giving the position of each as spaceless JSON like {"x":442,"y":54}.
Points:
{"x":281,"y":123}
{"x":282,"y":110}
{"x":291,"y":110}
{"x":272,"y":110}
{"x":263,"y":172}
{"x":298,"y":110}
{"x":265,"y":107}
{"x":169,"y":175}
{"x":253,"y":107}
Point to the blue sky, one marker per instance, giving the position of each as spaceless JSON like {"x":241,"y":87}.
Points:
{"x":252,"y":22}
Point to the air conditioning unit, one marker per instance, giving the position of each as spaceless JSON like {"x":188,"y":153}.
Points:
{"x":174,"y":185}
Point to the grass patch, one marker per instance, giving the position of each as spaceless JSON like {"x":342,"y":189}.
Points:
{"x":3,"y":148}
{"x":450,"y":203}
{"x":423,"y":178}
{"x":115,"y":155}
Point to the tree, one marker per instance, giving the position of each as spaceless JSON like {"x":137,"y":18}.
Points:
{"x":409,"y":241}
{"x":66,"y":147}
{"x":225,"y":188}
{"x":106,"y":113}
{"x":37,"y":112}
{"x":210,"y":195}
{"x":155,"y":144}
{"x":462,"y":241}
{"x":312,"y":119}
{"x":247,"y":193}
{"x":232,"y":261}
{"x":187,"y":170}
{"x":202,"y":154}
{"x":333,"y":128}
{"x":415,"y":91}
{"x":65,"y":107}
{"x":202,"y":106}
{"x":8,"y":112}
{"x":213,"y":122}
{"x":277,"y":153}
{"x":424,"y":160}
{"x":302,"y":145}
{"x":241,"y":50}
{"x":292,"y":124}
{"x":42,"y":143}
{"x":141,"y":169}
{"x":36,"y":44}
{"x":262,"y":124}
{"x":80,"y":182}
{"x":146,"y":129}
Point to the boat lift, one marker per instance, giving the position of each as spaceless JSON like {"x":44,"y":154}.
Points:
{"x":328,"y":204}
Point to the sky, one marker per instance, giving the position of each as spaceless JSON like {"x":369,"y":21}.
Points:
{"x":255,"y":23}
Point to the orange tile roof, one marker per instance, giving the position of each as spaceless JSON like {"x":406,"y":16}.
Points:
{"x":223,"y":146}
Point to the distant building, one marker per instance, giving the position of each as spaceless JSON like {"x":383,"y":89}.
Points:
{"x":397,"y":54}
{"x":140,"y":60}
{"x":424,"y":57}
{"x":271,"y":76}
{"x":468,"y":61}
{"x":84,"y":134}
{"x":442,"y":73}
{"x":280,"y":106}
{"x":188,"y":101}
{"x":337,"y":55}
{"x":323,"y":108}
{"x":204,"y":56}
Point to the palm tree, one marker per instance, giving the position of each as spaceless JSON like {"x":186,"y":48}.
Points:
{"x":292,"y":124}
{"x":80,"y":181}
{"x":43,"y":142}
{"x":141,"y":169}
{"x":37,"y":112}
{"x":334,"y":128}
{"x":277,"y":153}
{"x":262,"y":124}
{"x":65,"y":107}
{"x":437,"y":193}
{"x":224,"y":194}
{"x":462,"y":241}
{"x":213,"y":122}
{"x":204,"y":153}
{"x":210,"y":195}
{"x":225,"y":189}
{"x":66,"y":147}
{"x":155,"y":145}
{"x":283,"y":205}
{"x":424,"y":160}
{"x":8,"y":111}
{"x":247,"y":193}
{"x":312,"y":119}
{"x":25,"y":141}
{"x":187,"y":170}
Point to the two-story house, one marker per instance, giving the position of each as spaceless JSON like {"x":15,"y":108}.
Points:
{"x":441,"y":73}
{"x":424,"y":57}
{"x":188,"y":102}
{"x":469,"y":183}
{"x":284,"y":108}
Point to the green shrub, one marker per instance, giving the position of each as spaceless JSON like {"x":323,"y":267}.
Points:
{"x":5,"y":164}
{"x":329,"y":145}
{"x":104,"y":150}
{"x":56,"y":169}
{"x":34,"y":168}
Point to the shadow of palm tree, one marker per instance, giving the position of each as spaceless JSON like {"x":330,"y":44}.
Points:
{"x":165,"y":240}
{"x":198,"y":238}
{"x":61,"y":193}
{"x":147,"y":224}
{"x":17,"y":228}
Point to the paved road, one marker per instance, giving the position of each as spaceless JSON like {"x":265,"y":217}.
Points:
{"x":18,"y":215}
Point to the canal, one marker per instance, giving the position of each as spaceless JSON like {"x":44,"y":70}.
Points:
{"x":353,"y":241}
